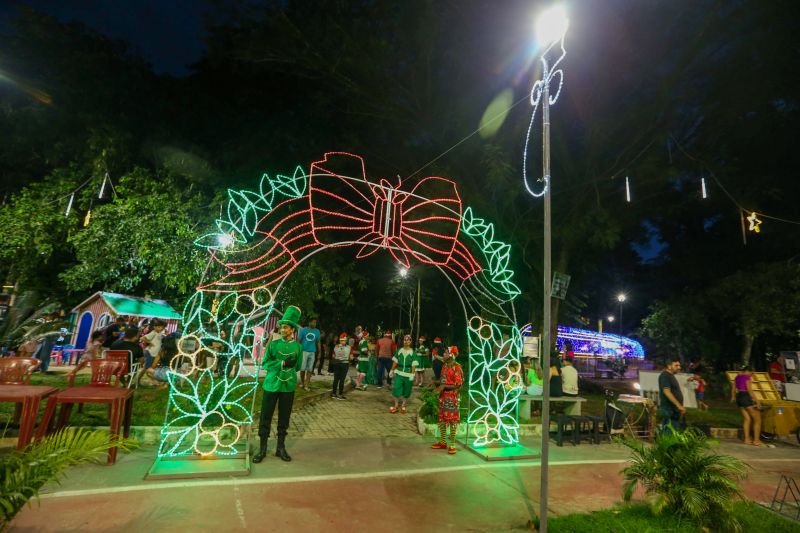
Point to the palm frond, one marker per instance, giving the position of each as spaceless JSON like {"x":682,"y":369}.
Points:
{"x":24,"y":472}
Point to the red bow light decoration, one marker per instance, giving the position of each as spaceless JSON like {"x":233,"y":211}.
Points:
{"x":344,"y":209}
{"x":421,"y":224}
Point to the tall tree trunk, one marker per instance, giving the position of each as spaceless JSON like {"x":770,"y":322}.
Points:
{"x":747,"y":347}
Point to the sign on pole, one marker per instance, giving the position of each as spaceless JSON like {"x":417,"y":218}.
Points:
{"x":560,"y":285}
{"x":530,"y":347}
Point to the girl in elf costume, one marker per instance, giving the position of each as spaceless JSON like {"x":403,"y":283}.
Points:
{"x":452,"y":378}
{"x":363,"y":360}
{"x":423,"y":361}
{"x":404,"y":364}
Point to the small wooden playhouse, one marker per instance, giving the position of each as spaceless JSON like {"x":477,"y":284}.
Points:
{"x":102,"y":308}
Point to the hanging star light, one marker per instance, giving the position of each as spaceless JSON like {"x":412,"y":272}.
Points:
{"x":755,"y":223}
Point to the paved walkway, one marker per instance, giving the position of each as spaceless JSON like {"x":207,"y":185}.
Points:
{"x":363,"y":414}
{"x":368,"y":484}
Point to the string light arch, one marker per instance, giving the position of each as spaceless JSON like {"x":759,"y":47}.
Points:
{"x":269,"y":232}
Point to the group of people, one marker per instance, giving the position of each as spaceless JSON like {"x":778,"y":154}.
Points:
{"x":148,"y":345}
{"x":290,"y":359}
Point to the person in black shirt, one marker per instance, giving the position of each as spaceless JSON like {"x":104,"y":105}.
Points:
{"x":670,"y":397}
{"x":130,"y":342}
{"x":112,"y":332}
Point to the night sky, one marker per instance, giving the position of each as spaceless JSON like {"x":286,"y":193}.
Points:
{"x":168,"y":34}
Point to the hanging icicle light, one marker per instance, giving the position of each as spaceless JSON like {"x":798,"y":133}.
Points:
{"x":703,"y":188}
{"x":627,"y":189}
{"x":102,"y":194}
{"x":69,"y":204}
{"x":87,"y":218}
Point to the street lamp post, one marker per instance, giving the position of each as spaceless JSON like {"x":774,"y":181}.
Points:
{"x":620,"y":298}
{"x":551,"y":28}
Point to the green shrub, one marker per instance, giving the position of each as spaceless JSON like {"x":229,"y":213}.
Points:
{"x":429,"y":411}
{"x":681,"y":475}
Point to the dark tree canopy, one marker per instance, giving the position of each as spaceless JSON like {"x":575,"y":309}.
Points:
{"x":666,"y":93}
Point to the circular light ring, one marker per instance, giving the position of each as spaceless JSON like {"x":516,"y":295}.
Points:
{"x":482,"y":332}
{"x":183,"y":339}
{"x":475,"y":323}
{"x":247,"y":301}
{"x":481,"y":429}
{"x":507,"y":372}
{"x":173,"y":365}
{"x":213,"y":435}
{"x":222,"y":441}
{"x":215,"y":428}
{"x":262,"y":297}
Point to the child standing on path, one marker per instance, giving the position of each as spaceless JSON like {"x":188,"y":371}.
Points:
{"x":423,"y":361}
{"x":449,"y":416}
{"x":341,"y":364}
{"x":403,"y":370}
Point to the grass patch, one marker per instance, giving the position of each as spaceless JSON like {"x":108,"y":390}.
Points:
{"x":638,"y":518}
{"x":149,"y":404}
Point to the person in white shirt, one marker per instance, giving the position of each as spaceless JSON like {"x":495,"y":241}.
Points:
{"x":152,"y":342}
{"x":569,"y":378}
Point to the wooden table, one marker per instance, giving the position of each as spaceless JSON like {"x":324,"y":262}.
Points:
{"x":30,"y":396}
{"x":119,"y":399}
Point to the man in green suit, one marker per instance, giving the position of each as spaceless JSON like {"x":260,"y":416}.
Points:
{"x":282,"y":360}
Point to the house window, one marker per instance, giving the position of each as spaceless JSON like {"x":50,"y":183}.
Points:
{"x":105,"y":319}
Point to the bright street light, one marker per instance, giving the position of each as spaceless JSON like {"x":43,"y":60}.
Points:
{"x":403,"y":272}
{"x":621,"y":297}
{"x":610,"y":318}
{"x":224,"y":240}
{"x":551,"y":25}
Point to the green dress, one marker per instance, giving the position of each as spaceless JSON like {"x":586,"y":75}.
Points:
{"x":372,"y":368}
{"x":363,"y":357}
{"x":406,"y":366}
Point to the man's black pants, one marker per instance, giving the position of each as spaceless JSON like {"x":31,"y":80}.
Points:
{"x":339,"y":374}
{"x":284,"y":400}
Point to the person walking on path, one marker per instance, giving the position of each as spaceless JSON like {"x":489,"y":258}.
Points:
{"x":341,"y":364}
{"x":748,"y":404}
{"x":423,"y":361}
{"x":372,"y":367}
{"x":309,"y":339}
{"x":384,"y":346}
{"x":363,"y":360}
{"x":282,"y":360}
{"x":437,"y":358}
{"x":403,"y":370}
{"x":670,"y":397}
{"x":699,"y":391}
{"x":448,"y":391}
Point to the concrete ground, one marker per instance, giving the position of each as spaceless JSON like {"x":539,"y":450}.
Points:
{"x":357,"y":468}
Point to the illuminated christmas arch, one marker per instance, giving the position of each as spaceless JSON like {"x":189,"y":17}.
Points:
{"x":267,"y":233}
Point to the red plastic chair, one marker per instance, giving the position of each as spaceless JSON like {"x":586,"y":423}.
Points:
{"x":103,"y":371}
{"x":131,"y":375}
{"x":17,"y":370}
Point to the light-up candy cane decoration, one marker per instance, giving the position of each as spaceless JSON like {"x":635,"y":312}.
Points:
{"x":540,"y":93}
{"x":269,"y":232}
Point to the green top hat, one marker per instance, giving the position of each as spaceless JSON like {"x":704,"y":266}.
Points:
{"x":291,"y":317}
